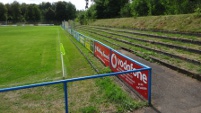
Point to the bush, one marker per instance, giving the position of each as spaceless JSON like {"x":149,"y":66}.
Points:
{"x":126,"y":11}
{"x":198,"y":12}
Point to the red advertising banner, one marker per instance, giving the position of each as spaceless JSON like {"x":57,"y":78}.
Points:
{"x":102,"y":53}
{"x":138,"y":80}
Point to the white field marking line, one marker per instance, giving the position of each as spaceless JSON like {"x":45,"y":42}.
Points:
{"x":62,"y":61}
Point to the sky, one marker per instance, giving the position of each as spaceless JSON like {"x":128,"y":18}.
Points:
{"x":79,"y":4}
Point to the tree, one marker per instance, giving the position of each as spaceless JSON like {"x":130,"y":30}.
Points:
{"x":61,"y":11}
{"x":65,"y":11}
{"x":23,"y":11}
{"x":3,"y":12}
{"x":82,"y":17}
{"x":71,"y":11}
{"x":109,"y":8}
{"x":15,"y":12}
{"x":180,"y":6}
{"x":156,"y":7}
{"x":91,"y":13}
{"x":126,"y":11}
{"x":139,"y":8}
{"x":44,"y":7}
{"x":33,"y":13}
{"x":49,"y":15}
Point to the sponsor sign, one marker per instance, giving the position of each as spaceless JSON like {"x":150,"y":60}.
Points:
{"x":102,"y":53}
{"x":89,"y":44}
{"x":137,"y":80}
{"x":73,"y":32}
{"x":69,"y":30}
{"x":82,"y":39}
{"x":92,"y":46}
{"x":77,"y":36}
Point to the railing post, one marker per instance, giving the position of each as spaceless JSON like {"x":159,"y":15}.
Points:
{"x":149,"y":87}
{"x":66,"y":96}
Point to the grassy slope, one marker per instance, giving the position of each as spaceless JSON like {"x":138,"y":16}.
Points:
{"x":184,"y":23}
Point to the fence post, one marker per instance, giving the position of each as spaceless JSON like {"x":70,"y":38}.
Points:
{"x":149,"y":87}
{"x":66,"y":96}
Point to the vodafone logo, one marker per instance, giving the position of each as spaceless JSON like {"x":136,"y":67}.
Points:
{"x":114,"y":60}
{"x":124,"y":65}
{"x":120,"y":63}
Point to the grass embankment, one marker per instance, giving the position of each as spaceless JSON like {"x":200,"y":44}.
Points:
{"x":31,"y":54}
{"x":183,"y":23}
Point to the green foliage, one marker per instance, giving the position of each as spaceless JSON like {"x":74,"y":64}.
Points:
{"x":156,"y":7}
{"x":198,"y":12}
{"x":49,"y":15}
{"x":180,"y":6}
{"x":61,"y":11}
{"x":23,"y":11}
{"x":109,"y":8}
{"x":16,"y":11}
{"x":46,"y":8}
{"x":139,"y":8}
{"x":161,"y":7}
{"x":33,"y":13}
{"x":126,"y":11}
{"x":85,"y":17}
{"x":3,"y":12}
{"x":91,"y":13}
{"x":58,"y":11}
{"x":82,"y":18}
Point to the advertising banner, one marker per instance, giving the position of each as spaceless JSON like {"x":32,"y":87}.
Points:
{"x":73,"y":33}
{"x":82,"y":39}
{"x":77,"y":36}
{"x":89,"y":44}
{"x":102,"y":53}
{"x":92,"y":46}
{"x":138,"y":80}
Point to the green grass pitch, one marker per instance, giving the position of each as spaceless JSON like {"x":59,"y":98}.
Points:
{"x":29,"y":54}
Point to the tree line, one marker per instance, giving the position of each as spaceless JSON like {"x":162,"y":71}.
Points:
{"x":45,"y":12}
{"x":129,"y":8}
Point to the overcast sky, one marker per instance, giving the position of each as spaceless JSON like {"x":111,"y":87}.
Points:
{"x":79,"y":4}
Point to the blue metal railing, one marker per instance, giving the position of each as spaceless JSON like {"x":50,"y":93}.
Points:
{"x":72,"y":80}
